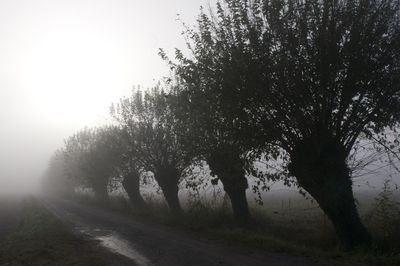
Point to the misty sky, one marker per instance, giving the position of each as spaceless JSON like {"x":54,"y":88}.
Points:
{"x":62,"y":63}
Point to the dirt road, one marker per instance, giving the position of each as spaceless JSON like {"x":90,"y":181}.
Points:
{"x":147,"y":244}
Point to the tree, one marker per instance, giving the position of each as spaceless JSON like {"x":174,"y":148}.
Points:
{"x":308,"y":77}
{"x":212,"y":137}
{"x":94,"y":155}
{"x":153,"y":144}
{"x":57,"y":178}
{"x":130,"y":172}
{"x":131,"y":184}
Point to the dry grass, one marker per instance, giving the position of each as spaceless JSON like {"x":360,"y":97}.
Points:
{"x":298,"y":230}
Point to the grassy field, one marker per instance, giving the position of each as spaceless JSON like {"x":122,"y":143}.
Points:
{"x":286,"y":228}
{"x":39,"y":238}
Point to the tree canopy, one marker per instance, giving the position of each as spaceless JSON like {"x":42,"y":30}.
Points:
{"x":297,"y":83}
{"x":93,"y":156}
{"x":309,"y":77}
{"x":153,"y":142}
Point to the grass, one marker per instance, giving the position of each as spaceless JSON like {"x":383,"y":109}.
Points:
{"x":42,"y":239}
{"x":289,"y":231}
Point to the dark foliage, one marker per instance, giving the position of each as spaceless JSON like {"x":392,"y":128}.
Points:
{"x":150,"y":127}
{"x":309,"y":77}
{"x":93,"y":157}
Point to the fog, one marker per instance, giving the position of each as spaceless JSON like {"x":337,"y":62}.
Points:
{"x":201,"y":132}
{"x":62,"y":63}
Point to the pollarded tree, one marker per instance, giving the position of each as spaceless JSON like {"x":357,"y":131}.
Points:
{"x":94,"y":155}
{"x":313,"y":76}
{"x":215,"y":138}
{"x":74,"y":148}
{"x":57,"y":180}
{"x":153,"y":142}
{"x":129,"y":171}
{"x":131,"y":184}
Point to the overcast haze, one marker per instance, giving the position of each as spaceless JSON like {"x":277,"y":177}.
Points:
{"x":62,"y":63}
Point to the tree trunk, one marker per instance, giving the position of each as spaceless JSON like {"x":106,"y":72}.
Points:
{"x":101,"y":194}
{"x":167,"y":178}
{"x":240,"y":206}
{"x":171,"y":196}
{"x":229,"y":168}
{"x":131,"y":184}
{"x":321,"y":169}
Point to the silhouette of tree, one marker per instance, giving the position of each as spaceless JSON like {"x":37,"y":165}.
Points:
{"x":216,"y":139}
{"x":309,"y":77}
{"x":130,"y":171}
{"x":57,"y":177}
{"x":153,"y":143}
{"x":93,"y":155}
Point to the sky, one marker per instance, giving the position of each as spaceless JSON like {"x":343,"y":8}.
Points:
{"x":62,"y":64}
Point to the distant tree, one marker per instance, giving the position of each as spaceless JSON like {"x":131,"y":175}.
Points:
{"x":153,"y":142}
{"x":74,"y":148}
{"x":57,"y":179}
{"x":309,"y":77}
{"x":93,"y":155}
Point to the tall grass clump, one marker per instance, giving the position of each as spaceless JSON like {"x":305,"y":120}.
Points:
{"x":384,"y":219}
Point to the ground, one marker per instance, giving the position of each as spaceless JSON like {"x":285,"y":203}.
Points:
{"x":49,"y":231}
{"x":30,"y":235}
{"x":149,"y":243}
